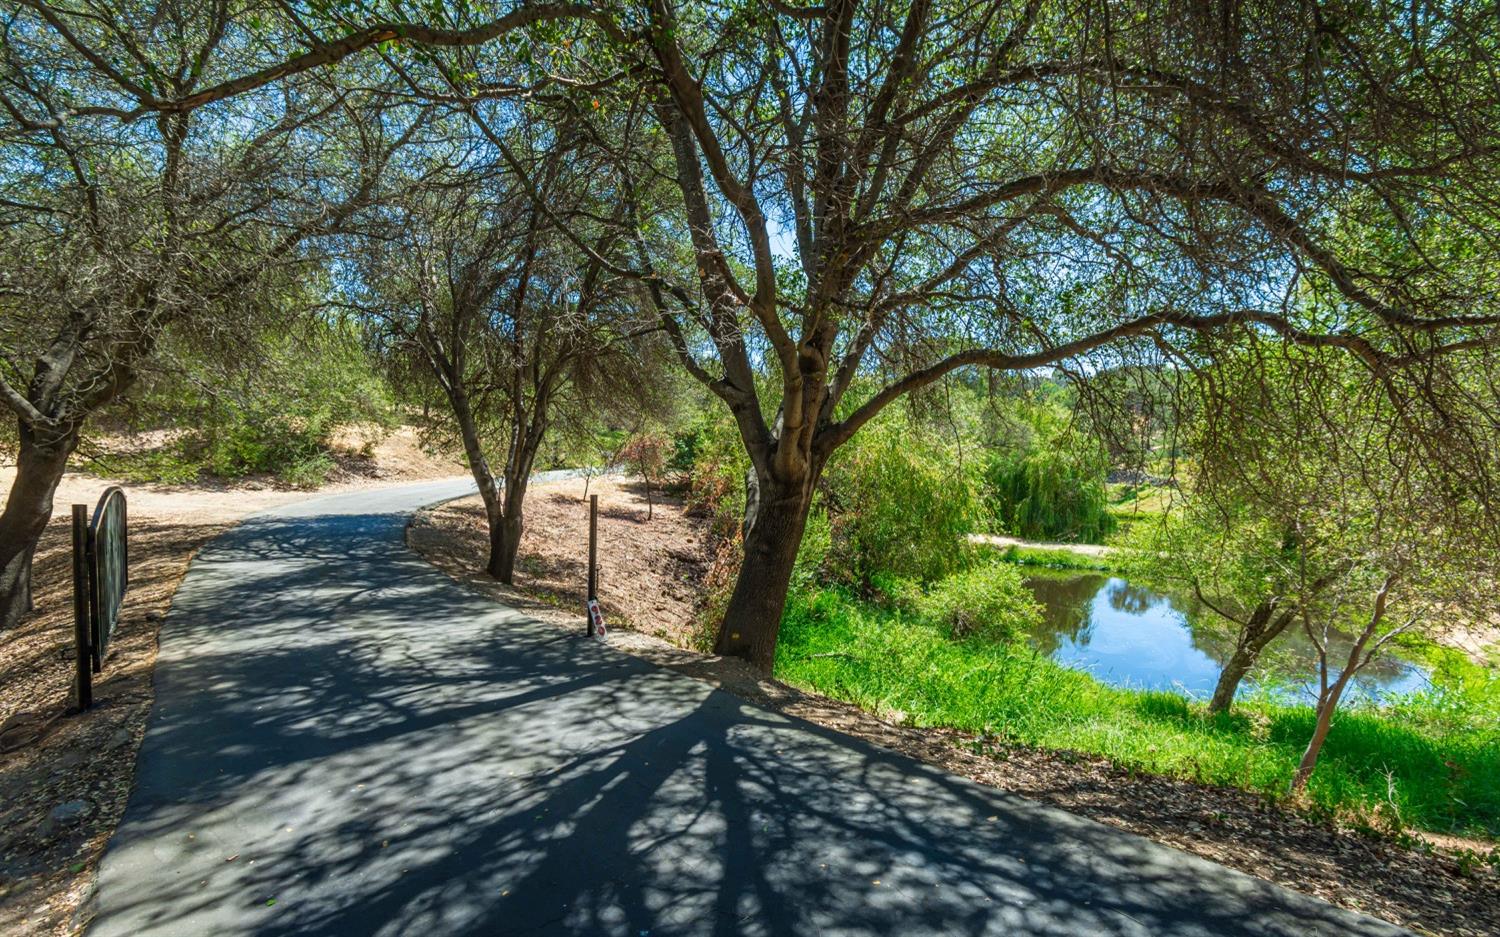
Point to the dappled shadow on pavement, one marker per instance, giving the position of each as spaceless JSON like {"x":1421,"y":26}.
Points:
{"x":346,"y":742}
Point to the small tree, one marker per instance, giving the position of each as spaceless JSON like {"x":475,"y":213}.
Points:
{"x":1394,"y":567}
{"x":483,"y":303}
{"x":1234,"y":564}
{"x":1313,"y":507}
{"x":645,"y":454}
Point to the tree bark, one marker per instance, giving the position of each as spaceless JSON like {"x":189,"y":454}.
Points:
{"x":752,"y":619}
{"x":1262,"y":628}
{"x":39,"y":469}
{"x":1326,"y":707}
{"x":506,"y":527}
{"x":505,"y":542}
{"x":1234,"y":671}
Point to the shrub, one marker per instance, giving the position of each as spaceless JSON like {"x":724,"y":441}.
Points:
{"x":645,"y":454}
{"x":990,"y":601}
{"x":898,"y":505}
{"x":716,"y":476}
{"x":272,"y":413}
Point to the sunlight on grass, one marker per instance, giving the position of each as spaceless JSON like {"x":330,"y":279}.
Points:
{"x":1429,"y":761}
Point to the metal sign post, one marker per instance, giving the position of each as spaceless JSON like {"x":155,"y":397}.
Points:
{"x":82,"y":620}
{"x":595,"y":616}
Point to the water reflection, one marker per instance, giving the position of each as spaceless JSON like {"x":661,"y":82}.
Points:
{"x":1128,"y":635}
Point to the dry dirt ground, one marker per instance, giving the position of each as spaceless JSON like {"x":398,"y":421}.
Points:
{"x":668,"y":552}
{"x":65,"y":777}
{"x":649,"y":592}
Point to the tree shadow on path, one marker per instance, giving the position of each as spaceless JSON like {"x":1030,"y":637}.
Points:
{"x":347,"y":742}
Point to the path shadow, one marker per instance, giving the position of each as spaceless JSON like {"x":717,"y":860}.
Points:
{"x":347,"y":742}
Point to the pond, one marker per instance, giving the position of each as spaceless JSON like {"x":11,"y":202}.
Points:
{"x":1128,"y":635}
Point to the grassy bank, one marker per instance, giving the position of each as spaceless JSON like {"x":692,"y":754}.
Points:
{"x":1430,"y":762}
{"x":1051,"y":558}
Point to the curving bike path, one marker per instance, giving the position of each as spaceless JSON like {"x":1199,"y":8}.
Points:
{"x":346,"y":742}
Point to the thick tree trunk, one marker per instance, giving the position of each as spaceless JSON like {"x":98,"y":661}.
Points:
{"x":506,"y":525}
{"x":28,"y":507}
{"x":753,"y":618}
{"x":504,"y":543}
{"x":15,"y":588}
{"x":1229,"y":679}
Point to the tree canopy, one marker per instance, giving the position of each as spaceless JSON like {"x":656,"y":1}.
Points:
{"x":829,"y":206}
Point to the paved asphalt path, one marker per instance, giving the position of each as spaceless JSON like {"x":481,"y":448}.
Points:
{"x":346,"y":742}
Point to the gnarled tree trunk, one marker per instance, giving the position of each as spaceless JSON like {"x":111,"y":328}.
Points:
{"x":28,"y":507}
{"x":775,"y":521}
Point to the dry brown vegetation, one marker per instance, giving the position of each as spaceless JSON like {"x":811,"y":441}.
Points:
{"x":649,"y":571}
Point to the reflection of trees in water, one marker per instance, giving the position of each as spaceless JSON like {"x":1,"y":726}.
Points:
{"x":1294,"y":658}
{"x":1068,"y":599}
{"x":1130,"y":599}
{"x":1065,"y":600}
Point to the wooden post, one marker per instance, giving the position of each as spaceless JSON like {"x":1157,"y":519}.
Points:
{"x":593,"y":554}
{"x":84,"y":656}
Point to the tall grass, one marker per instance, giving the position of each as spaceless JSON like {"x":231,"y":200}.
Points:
{"x":1428,"y":763}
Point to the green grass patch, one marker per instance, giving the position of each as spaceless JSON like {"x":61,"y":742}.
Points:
{"x":1429,"y":762}
{"x":1134,"y":505}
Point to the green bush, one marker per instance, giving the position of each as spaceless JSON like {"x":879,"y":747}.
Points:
{"x":898,"y":505}
{"x":716,"y":473}
{"x":990,"y":602}
{"x":272,"y":414}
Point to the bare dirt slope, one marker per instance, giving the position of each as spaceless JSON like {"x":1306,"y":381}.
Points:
{"x":64,"y":778}
{"x":1432,"y":887}
{"x":649,"y":570}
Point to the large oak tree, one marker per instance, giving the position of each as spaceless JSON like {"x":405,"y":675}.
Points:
{"x":889,"y":192}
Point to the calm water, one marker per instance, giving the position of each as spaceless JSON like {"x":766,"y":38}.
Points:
{"x":1127,"y":635}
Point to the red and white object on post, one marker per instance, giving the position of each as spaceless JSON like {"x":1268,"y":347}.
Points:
{"x":596,"y":619}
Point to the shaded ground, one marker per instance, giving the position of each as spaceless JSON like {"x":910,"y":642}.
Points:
{"x":1431,"y":887}
{"x":347,"y":742}
{"x":83,"y":766}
